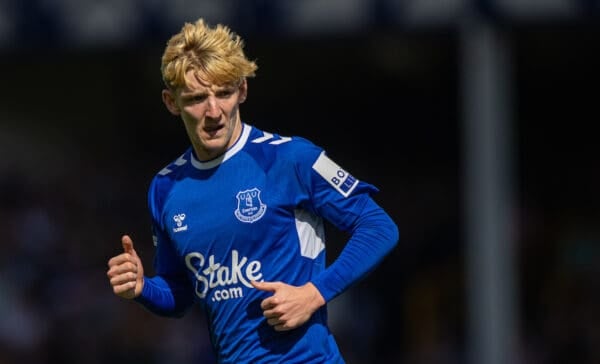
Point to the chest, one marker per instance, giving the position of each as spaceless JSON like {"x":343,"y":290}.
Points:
{"x":243,"y":210}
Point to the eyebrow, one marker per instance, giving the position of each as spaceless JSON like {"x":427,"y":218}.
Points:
{"x":216,"y":89}
{"x":193,"y":93}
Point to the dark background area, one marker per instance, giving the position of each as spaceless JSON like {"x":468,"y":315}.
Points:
{"x":83,"y":130}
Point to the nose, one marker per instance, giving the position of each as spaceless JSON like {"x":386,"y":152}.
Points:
{"x":212,"y":107}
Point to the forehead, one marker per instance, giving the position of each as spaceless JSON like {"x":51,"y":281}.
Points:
{"x":197,"y":82}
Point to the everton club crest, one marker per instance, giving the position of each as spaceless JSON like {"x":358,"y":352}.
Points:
{"x":249,"y":207}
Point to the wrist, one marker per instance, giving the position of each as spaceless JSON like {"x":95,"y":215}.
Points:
{"x":316,"y":297}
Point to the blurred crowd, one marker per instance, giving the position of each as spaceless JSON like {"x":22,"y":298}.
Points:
{"x":57,"y":307}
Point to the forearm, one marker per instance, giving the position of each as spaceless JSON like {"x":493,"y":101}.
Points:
{"x":164,"y":297}
{"x":374,"y":236}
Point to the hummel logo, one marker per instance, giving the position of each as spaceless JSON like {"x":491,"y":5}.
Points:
{"x":179,"y":220}
{"x":268,"y":136}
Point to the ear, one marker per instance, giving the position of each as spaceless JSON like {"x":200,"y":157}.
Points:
{"x":243,"y":91}
{"x":170,"y":102}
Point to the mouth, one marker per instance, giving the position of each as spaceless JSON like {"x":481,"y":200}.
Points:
{"x":212,"y":129}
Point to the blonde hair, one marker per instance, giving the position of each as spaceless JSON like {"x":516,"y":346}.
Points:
{"x":216,"y":53}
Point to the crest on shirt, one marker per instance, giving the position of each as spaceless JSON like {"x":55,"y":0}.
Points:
{"x":250,"y":208}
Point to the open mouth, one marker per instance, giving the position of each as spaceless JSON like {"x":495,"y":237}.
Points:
{"x":213,"y":129}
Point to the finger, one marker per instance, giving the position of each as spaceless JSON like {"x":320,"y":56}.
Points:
{"x":281,"y":327}
{"x":274,"y":322}
{"x":269,"y":314}
{"x":127,"y":244}
{"x":116,"y":260}
{"x":123,"y":268}
{"x":119,"y":260}
{"x":269,"y":303}
{"x":121,"y":288}
{"x":123,"y":279}
{"x":265,"y":286}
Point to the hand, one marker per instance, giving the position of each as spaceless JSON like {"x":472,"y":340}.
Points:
{"x":125,"y":271}
{"x":290,"y":306}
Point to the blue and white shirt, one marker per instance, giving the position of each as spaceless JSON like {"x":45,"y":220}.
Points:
{"x":257,"y":213}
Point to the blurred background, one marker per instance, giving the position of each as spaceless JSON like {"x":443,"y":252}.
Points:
{"x":474,"y":118}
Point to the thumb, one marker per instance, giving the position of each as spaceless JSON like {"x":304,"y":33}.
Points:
{"x":128,"y":245}
{"x":265,"y":286}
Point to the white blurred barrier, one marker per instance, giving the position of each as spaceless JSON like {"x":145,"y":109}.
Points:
{"x":488,"y":193}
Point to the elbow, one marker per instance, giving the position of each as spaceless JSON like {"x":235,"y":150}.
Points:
{"x":383,"y":230}
{"x":379,"y":227}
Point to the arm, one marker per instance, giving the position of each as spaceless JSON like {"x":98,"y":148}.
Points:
{"x":165,"y":296}
{"x":374,"y":235}
{"x":168,"y":293}
{"x":325,"y":189}
{"x":162,"y":295}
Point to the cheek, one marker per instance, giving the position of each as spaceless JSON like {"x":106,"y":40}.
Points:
{"x":233,"y":109}
{"x":190,"y":122}
{"x":191,"y":114}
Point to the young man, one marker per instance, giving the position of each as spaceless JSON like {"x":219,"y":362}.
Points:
{"x":238,"y":218}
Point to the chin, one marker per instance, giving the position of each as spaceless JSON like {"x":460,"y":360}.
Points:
{"x":215,"y":147}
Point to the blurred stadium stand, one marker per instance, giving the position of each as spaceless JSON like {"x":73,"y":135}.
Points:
{"x":119,"y":23}
{"x":82,"y":130}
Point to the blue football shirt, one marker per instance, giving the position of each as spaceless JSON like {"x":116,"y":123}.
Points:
{"x":254,"y":213}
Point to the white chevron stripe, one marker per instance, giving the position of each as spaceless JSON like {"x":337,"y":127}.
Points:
{"x":281,"y":141}
{"x":266,"y":136}
{"x":180,"y":161}
{"x":165,"y":171}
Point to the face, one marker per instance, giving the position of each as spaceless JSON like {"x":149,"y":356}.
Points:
{"x":210,"y":114}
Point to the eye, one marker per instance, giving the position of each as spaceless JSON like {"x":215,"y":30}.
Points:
{"x":198,"y":98}
{"x":225,"y":93}
{"x":194,"y":99}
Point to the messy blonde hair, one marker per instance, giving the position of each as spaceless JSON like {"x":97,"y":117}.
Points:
{"x":214,"y":53}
